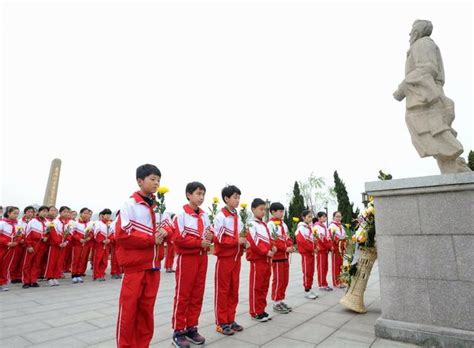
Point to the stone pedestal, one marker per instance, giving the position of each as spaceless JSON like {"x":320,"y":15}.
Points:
{"x":425,"y":242}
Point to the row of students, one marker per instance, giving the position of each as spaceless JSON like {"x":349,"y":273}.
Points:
{"x":46,"y":246}
{"x":140,"y":239}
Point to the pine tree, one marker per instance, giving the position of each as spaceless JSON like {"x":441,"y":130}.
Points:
{"x":470,"y":160}
{"x":295,"y":209}
{"x":343,"y":204}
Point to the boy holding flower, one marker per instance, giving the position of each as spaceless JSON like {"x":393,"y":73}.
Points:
{"x":229,"y":247}
{"x":102,"y":239}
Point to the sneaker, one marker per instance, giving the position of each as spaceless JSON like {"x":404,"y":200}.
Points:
{"x":74,"y":280}
{"x":236,"y":327}
{"x":101,"y":279}
{"x":56,"y":282}
{"x":267,"y":316}
{"x":341,"y":286}
{"x":179,"y":340}
{"x":310,"y":295}
{"x":279,"y":308}
{"x":80,"y":280}
{"x":225,"y":330}
{"x":260,"y":317}
{"x":15,"y":281}
{"x":286,"y":306}
{"x":193,"y":336}
{"x":328,"y":288}
{"x":51,"y":282}
{"x":4,"y":288}
{"x":35,"y":285}
{"x":26,"y":286}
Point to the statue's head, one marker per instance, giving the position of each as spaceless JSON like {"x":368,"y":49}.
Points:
{"x":420,"y":28}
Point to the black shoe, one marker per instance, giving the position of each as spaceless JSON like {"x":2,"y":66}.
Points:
{"x":193,"y":336}
{"x":16,"y":281}
{"x":260,"y":317}
{"x":26,"y":286}
{"x":34,"y":285}
{"x":179,"y":340}
{"x":267,"y":316}
{"x":236,"y":327}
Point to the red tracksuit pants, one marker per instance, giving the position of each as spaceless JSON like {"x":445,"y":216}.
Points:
{"x":32,"y":263}
{"x":80,"y":256}
{"x":307,"y":263}
{"x":17,"y":262}
{"x":226,"y":289}
{"x":67,"y":263}
{"x":190,"y":282}
{"x":135,"y":324}
{"x":6,"y":258}
{"x":281,"y":275}
{"x":101,"y":258}
{"x":115,"y":269}
{"x":322,"y":263}
{"x":54,"y":264}
{"x":337,"y":259}
{"x":169,"y":261}
{"x":260,"y":272}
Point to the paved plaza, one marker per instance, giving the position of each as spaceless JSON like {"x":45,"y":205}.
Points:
{"x":84,"y":315}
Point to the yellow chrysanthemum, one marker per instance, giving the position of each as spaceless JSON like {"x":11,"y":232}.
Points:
{"x":276,"y":222}
{"x":347,"y":225}
{"x":243,"y":205}
{"x":215,"y":200}
{"x":371,"y":210}
{"x":371,"y":198}
{"x":295,"y":219}
{"x":162,"y":190}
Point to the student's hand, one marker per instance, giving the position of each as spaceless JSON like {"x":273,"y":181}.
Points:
{"x":107,"y":241}
{"x":242,"y":240}
{"x":62,"y":245}
{"x":270,"y":253}
{"x":44,"y":239}
{"x":83,"y":240}
{"x":158,"y":239}
{"x":11,"y":244}
{"x":205,"y":243}
{"x":209,"y":236}
{"x":30,"y":249}
{"x":162,"y":233}
{"x":289,"y":250}
{"x":274,"y":249}
{"x":88,"y":239}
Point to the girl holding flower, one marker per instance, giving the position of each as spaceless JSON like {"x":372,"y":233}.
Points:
{"x":338,"y":248}
{"x":8,"y":242}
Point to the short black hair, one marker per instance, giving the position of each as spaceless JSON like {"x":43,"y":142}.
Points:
{"x":276,"y":206}
{"x":51,"y":207}
{"x":106,"y":211}
{"x":305,"y":213}
{"x":321,"y":214}
{"x":43,"y":207}
{"x":315,"y":219}
{"x":63,"y":208}
{"x":28,"y":208}
{"x":334,"y":214}
{"x":146,"y":170}
{"x":84,"y":209}
{"x":229,"y":190}
{"x":8,"y":210}
{"x":193,"y":186}
{"x":257,"y":202}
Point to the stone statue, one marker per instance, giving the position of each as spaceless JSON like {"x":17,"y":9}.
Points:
{"x":429,"y":113}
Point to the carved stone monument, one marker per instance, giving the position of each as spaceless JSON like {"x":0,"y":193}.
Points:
{"x":53,"y":183}
{"x":429,"y":113}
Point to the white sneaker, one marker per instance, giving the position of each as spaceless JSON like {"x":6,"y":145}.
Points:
{"x":80,"y":280}
{"x":51,"y":282}
{"x":4,"y":288}
{"x":56,"y":282}
{"x":310,"y":295}
{"x":75,"y":280}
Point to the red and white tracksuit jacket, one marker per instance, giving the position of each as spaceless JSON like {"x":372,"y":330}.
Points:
{"x":306,"y":247}
{"x":324,"y":244}
{"x":338,"y":248}
{"x":19,"y":252}
{"x":280,"y":264}
{"x":32,"y":262}
{"x":8,"y":233}
{"x":115,"y":269}
{"x":140,"y":259}
{"x":260,"y":265}
{"x":190,"y":229}
{"x":227,"y":227}
{"x":102,"y":234}
{"x":83,"y":230}
{"x":61,"y":233}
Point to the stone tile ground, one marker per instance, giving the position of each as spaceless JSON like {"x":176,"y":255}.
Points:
{"x":84,"y":315}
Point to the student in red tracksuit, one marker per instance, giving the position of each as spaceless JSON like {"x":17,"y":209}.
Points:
{"x":306,"y":247}
{"x":8,"y":242}
{"x":323,"y":246}
{"x":19,"y":256}
{"x":260,"y":252}
{"x":192,"y":238}
{"x":115,"y":269}
{"x":170,"y":252}
{"x":280,"y":264}
{"x":338,"y":248}
{"x":36,"y":247}
{"x":102,"y":239}
{"x":59,"y":236}
{"x":139,"y":252}
{"x":229,"y":248}
{"x":81,"y":244}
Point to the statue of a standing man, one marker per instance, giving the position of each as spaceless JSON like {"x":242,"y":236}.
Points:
{"x":429,"y":113}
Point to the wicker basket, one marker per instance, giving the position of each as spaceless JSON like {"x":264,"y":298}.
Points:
{"x":354,"y":297}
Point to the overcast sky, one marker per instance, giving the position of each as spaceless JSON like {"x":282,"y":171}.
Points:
{"x":253,"y":94}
